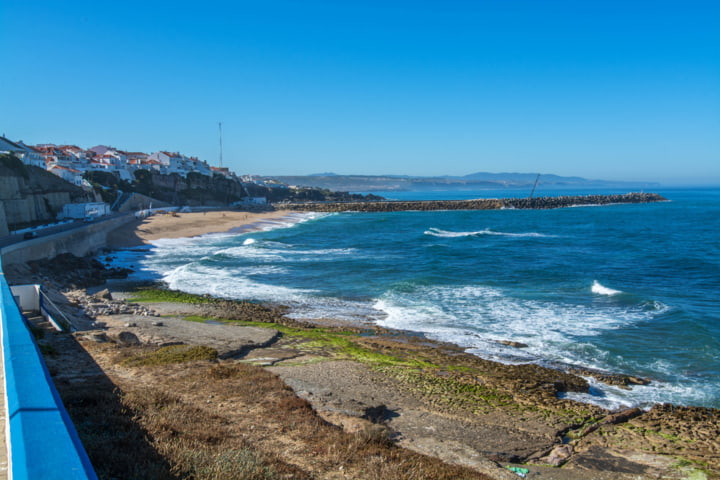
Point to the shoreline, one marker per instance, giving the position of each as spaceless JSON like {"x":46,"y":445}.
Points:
{"x":509,"y":414}
{"x":188,"y":225}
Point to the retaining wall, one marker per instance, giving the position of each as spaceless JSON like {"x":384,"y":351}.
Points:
{"x":79,"y":241}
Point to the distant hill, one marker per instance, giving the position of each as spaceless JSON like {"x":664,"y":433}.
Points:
{"x":474,"y":181}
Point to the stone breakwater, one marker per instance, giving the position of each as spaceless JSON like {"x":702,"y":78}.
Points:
{"x":477,"y":204}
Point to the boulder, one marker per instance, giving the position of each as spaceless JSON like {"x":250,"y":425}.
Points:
{"x":128,"y":339}
{"x":103,"y":294}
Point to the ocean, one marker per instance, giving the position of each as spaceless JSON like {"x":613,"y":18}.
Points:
{"x":629,"y":289}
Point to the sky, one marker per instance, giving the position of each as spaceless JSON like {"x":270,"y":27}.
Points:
{"x":616,"y":90}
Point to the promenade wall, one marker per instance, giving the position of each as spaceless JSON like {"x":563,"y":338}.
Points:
{"x":478,"y":204}
{"x":79,"y":241}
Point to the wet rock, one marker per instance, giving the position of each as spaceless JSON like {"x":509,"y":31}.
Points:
{"x":622,"y":417}
{"x":513,"y":344}
{"x":619,"y":380}
{"x":79,"y":272}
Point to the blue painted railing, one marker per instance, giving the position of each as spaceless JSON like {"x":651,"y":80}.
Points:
{"x":42,"y":441}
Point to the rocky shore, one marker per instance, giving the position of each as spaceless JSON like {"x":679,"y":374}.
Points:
{"x":477,"y":204}
{"x":426,"y":396}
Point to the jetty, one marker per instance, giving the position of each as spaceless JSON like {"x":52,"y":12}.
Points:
{"x":537,"y":203}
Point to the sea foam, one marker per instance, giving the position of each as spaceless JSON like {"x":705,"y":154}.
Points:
{"x":437,"y":232}
{"x":602,"y":290}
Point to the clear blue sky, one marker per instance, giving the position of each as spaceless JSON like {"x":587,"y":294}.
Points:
{"x":626,"y":90}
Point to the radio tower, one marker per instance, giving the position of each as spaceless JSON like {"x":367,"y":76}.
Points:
{"x":220,"y":129}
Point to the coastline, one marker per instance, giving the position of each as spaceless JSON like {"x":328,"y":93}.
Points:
{"x":509,"y":414}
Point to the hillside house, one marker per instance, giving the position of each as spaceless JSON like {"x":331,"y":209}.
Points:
{"x":27,"y":154}
{"x":68,"y":174}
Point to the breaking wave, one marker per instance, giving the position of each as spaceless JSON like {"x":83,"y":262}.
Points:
{"x":437,"y":232}
{"x":602,"y":290}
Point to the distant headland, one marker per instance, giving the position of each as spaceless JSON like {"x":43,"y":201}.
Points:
{"x":475,"y":181}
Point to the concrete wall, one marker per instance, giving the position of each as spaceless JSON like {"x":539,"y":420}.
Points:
{"x":138,"y":201}
{"x":36,"y":207}
{"x":3,"y":221}
{"x":79,"y":241}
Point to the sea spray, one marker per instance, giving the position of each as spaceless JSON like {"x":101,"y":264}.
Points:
{"x":602,"y":290}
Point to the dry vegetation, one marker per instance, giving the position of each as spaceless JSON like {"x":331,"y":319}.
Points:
{"x":204,"y":419}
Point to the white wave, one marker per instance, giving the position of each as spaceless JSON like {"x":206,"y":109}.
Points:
{"x":278,"y":253}
{"x":602,"y":290}
{"x":174,"y":242}
{"x":289,"y":220}
{"x":226,"y":283}
{"x":682,"y":391}
{"x":249,"y":241}
{"x":437,"y":232}
{"x":478,"y":318}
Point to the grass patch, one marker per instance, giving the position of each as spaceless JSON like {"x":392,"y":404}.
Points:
{"x":200,"y":319}
{"x":450,"y":391}
{"x":236,"y":463}
{"x":335,"y":341}
{"x":151,"y":294}
{"x":172,"y":354}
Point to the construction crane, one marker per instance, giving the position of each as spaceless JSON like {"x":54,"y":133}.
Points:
{"x":535,"y":185}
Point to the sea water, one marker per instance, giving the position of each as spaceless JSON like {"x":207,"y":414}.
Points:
{"x":627,"y":289}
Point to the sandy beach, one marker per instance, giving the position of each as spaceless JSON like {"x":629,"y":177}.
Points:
{"x":193,"y":224}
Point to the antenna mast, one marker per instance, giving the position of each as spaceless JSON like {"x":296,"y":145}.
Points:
{"x":220,"y":129}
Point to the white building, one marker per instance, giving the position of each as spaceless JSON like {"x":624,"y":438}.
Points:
{"x":173,"y":162}
{"x":28,"y":155}
{"x":68,"y":174}
{"x":84,"y":210}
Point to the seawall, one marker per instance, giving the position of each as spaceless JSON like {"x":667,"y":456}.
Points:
{"x":79,"y":241}
{"x":477,"y":204}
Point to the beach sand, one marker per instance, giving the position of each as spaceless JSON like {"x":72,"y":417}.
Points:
{"x":180,"y":225}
